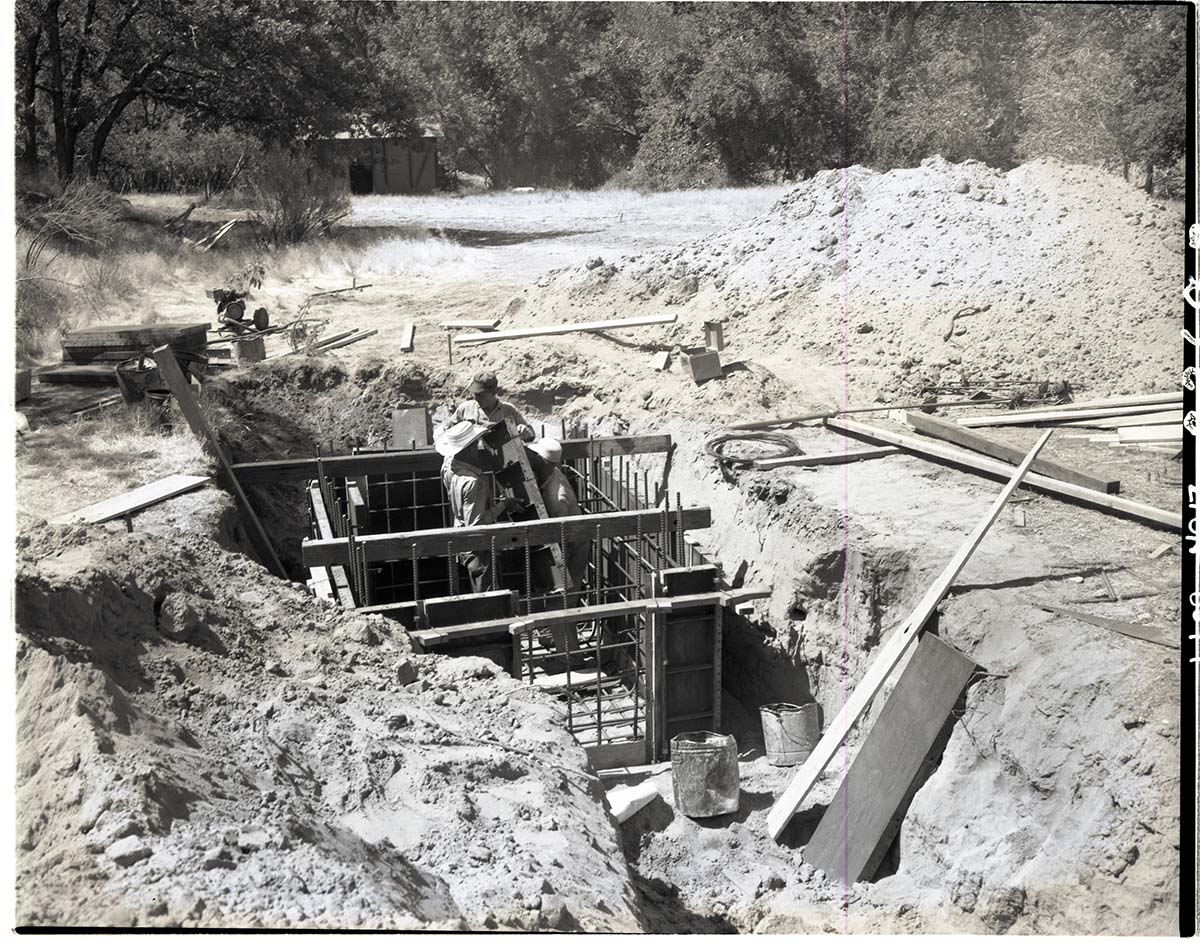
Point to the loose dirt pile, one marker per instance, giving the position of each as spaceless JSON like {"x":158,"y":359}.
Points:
{"x":1054,"y":271}
{"x":202,"y":745}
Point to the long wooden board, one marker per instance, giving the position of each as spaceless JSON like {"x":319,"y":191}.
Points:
{"x":990,"y":467}
{"x":1150,"y":433}
{"x":137,"y":499}
{"x":91,"y":374}
{"x":833,"y":457}
{"x":396,"y":546}
{"x":1143,"y":632}
{"x":948,"y":431}
{"x":88,"y":343}
{"x":587,"y":326}
{"x":339,"y":582}
{"x":832,"y":413}
{"x":425,"y":459}
{"x":168,"y":368}
{"x":407,"y":334}
{"x":861,"y":822}
{"x":886,"y":659}
{"x":1058,"y":415}
{"x":1150,"y":418}
{"x":1115,"y":401}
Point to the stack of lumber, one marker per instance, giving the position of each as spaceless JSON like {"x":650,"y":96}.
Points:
{"x":584,"y":327}
{"x":90,"y":355}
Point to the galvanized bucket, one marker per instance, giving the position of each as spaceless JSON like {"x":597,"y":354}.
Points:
{"x":790,"y":732}
{"x":704,"y":772}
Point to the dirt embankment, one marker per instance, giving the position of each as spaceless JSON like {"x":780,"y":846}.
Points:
{"x":203,"y":746}
{"x":1055,"y":271}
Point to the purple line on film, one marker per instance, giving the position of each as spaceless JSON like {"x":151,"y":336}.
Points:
{"x":845,"y":442}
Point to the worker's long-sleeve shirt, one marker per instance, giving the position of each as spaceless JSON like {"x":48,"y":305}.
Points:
{"x":560,"y":500}
{"x":471,"y":411}
{"x":472,"y":494}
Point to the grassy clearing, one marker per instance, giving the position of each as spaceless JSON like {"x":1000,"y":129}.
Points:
{"x":62,"y":467}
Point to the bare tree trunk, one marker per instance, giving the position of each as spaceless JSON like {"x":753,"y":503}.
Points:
{"x":29,"y":122}
{"x":1150,"y":177}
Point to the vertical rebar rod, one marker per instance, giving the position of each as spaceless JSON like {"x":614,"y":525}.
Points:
{"x":494,"y":571}
{"x":599,"y":722}
{"x":679,"y":529}
{"x":596,"y":567}
{"x":528,"y":577}
{"x":562,"y":546}
{"x":414,"y":500}
{"x":451,"y":568}
{"x":416,"y":574}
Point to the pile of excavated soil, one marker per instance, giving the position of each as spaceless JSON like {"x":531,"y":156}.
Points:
{"x":201,"y":745}
{"x":1056,"y":272}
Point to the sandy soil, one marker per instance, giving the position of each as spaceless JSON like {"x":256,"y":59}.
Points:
{"x":1054,"y":809}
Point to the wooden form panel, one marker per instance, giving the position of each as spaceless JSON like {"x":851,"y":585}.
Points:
{"x":388,"y":546}
{"x":862,"y":820}
{"x":424,"y":459}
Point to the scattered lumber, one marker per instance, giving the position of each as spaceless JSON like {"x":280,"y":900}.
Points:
{"x":585,"y":327}
{"x":990,"y":467}
{"x":172,"y":375}
{"x":660,"y":360}
{"x":1149,"y":433}
{"x":406,"y":338}
{"x":132,"y":501}
{"x":835,"y":457}
{"x":205,"y":244}
{"x":23,"y":385}
{"x":1142,"y":632}
{"x":470,"y":325}
{"x":703,"y":366}
{"x":1034,"y":417}
{"x":956,"y":434}
{"x":1116,"y":421}
{"x":1162,"y":550}
{"x":886,"y":659}
{"x":334,"y":345}
{"x":834,"y":413}
{"x":861,"y":822}
{"x":325,"y":294}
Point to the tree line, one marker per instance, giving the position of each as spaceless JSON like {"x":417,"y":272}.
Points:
{"x":659,"y":95}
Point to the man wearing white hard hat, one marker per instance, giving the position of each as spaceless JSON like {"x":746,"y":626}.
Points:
{"x":472,"y":491}
{"x":560,"y":500}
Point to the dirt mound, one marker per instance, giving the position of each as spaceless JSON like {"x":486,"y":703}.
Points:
{"x":1054,"y":271}
{"x":203,"y":746}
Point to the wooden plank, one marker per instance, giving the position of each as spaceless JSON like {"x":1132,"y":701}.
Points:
{"x":168,"y":368}
{"x":833,"y":413}
{"x":1149,"y":433}
{"x":990,"y":467}
{"x":407,"y":335}
{"x":133,"y":336}
{"x":886,"y":659}
{"x":91,"y":374}
{"x":470,"y":324}
{"x":412,"y":428}
{"x":861,"y":822}
{"x":1135,"y":400}
{"x":137,"y":499}
{"x":834,"y":457}
{"x":660,"y":360}
{"x":23,"y":385}
{"x":424,"y":459}
{"x":396,"y":546}
{"x":703,"y":366}
{"x":950,"y":432}
{"x":1149,"y":418}
{"x":587,"y":326}
{"x":349,"y":340}
{"x":336,"y":575}
{"x":1131,"y":629}
{"x":1057,"y":415}
{"x":616,"y":754}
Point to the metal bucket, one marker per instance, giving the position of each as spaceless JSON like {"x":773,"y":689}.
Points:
{"x":704,"y":772}
{"x":790,"y":732}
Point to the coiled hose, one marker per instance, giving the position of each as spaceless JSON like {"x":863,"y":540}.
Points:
{"x":715,"y":447}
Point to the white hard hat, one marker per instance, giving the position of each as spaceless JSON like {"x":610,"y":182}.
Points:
{"x":450,"y":441}
{"x":549,"y":449}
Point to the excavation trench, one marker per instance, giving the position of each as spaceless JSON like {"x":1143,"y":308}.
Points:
{"x":782,"y":648}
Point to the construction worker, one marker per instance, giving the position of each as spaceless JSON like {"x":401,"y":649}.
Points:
{"x":560,"y":500}
{"x":485,"y":406}
{"x":472,"y":492}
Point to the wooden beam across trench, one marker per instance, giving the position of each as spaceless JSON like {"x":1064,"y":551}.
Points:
{"x":396,"y":546}
{"x":426,"y":459}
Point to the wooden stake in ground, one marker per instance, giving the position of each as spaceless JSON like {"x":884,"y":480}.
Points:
{"x":168,"y":368}
{"x":887,"y":658}
{"x":585,"y":327}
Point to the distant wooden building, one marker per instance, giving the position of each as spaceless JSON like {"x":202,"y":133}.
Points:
{"x":385,"y":165}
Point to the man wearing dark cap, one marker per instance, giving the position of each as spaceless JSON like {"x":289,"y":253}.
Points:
{"x":486,"y":407}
